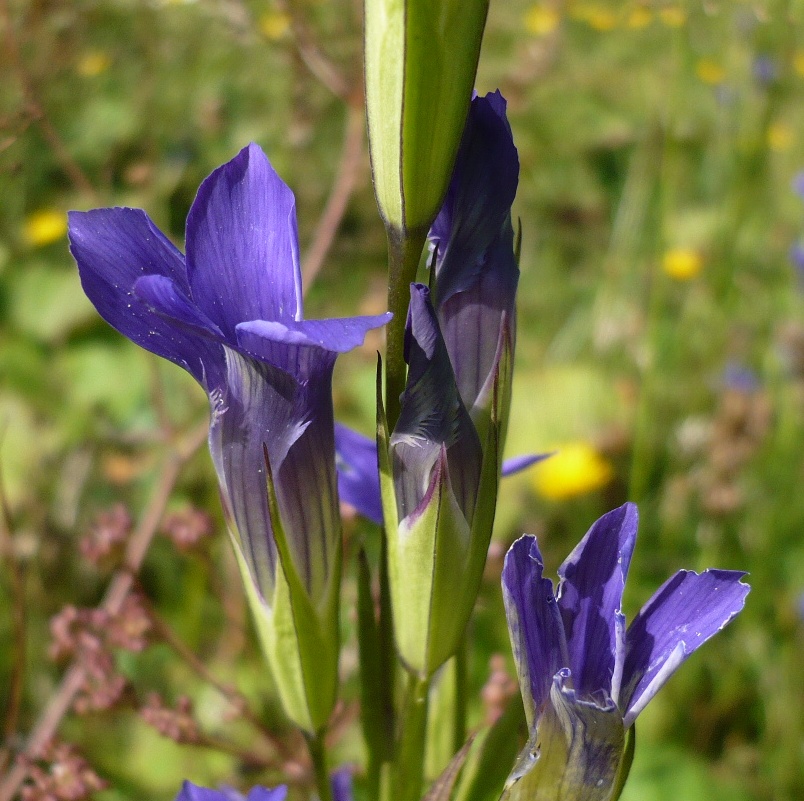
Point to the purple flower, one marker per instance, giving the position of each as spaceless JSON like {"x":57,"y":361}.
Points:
{"x":193,"y":792}
{"x":359,"y":478}
{"x":476,"y":266}
{"x":584,"y":678}
{"x":797,"y":184}
{"x":230,"y":313}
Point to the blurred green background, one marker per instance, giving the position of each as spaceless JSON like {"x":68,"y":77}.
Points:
{"x":660,"y":343}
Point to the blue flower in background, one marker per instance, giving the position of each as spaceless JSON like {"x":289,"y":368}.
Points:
{"x":192,"y":792}
{"x":584,"y":678}
{"x":230,"y":313}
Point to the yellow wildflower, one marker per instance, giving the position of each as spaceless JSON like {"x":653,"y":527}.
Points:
{"x":780,"y":136}
{"x":93,"y":63}
{"x":673,"y":16}
{"x":595,"y":15}
{"x":274,"y":25}
{"x":709,"y":71}
{"x":682,"y":263}
{"x":640,"y":17}
{"x":798,"y":62}
{"x":575,"y":469}
{"x":44,"y":227}
{"x":541,"y":20}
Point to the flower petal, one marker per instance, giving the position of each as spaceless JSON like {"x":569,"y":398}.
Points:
{"x":193,"y":792}
{"x":114,"y":248}
{"x":516,"y":464}
{"x":258,"y":406}
{"x":590,"y":596}
{"x":432,"y":417}
{"x":336,"y":335}
{"x":358,"y":473}
{"x":242,"y":245}
{"x":682,"y":615}
{"x":264,"y":794}
{"x":479,"y":197}
{"x":534,"y":623}
{"x":473,"y":320}
{"x":166,"y":299}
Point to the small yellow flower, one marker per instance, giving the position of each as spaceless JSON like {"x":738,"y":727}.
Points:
{"x":798,"y":62}
{"x":673,"y":16}
{"x":602,"y":19}
{"x":575,"y":469}
{"x":44,"y":227}
{"x":780,"y":136}
{"x":710,"y":71}
{"x":93,"y":63}
{"x":274,"y":25}
{"x":541,"y":20}
{"x":640,"y":17}
{"x":682,"y":264}
{"x":595,"y":15}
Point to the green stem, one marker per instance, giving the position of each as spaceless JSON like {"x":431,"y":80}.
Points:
{"x":318,"y":753}
{"x":461,"y":696}
{"x":412,"y":741}
{"x":404,"y":252}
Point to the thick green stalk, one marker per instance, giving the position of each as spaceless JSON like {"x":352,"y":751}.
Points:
{"x":412,"y":741}
{"x":404,"y":252}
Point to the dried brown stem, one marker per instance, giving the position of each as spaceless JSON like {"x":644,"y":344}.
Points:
{"x":118,"y":589}
{"x":34,"y":108}
{"x":311,"y":54}
{"x":342,"y":188}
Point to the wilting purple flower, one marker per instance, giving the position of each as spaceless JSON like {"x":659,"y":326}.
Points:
{"x":359,"y":478}
{"x":584,"y":678}
{"x":230,"y":313}
{"x":193,"y":792}
{"x":476,"y":267}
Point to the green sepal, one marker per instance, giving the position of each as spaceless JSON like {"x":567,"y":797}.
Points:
{"x":420,"y":63}
{"x":424,"y":558}
{"x":300,"y":638}
{"x":575,"y":753}
{"x":387,"y":490}
{"x":628,"y":760}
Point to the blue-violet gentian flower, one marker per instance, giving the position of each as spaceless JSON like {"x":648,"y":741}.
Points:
{"x":584,"y":678}
{"x":230,"y":313}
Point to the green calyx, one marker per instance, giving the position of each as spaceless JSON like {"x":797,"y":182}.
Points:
{"x":299,"y":635}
